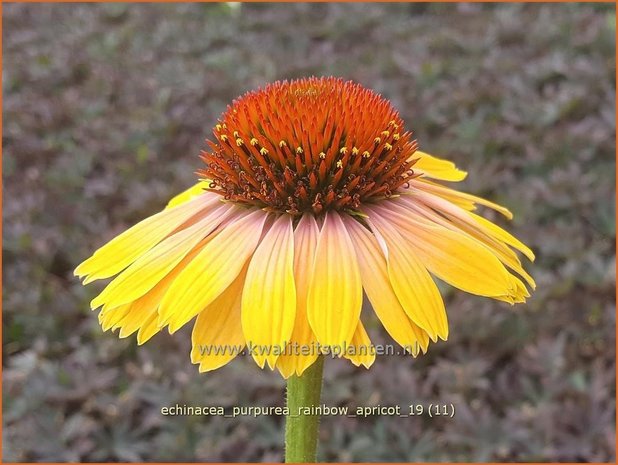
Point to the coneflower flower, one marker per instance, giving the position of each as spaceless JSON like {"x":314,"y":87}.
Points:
{"x":312,"y":192}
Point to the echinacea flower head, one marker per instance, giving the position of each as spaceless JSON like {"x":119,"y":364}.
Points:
{"x":313,"y":192}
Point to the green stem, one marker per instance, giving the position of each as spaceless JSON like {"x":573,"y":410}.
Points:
{"x":301,"y":431}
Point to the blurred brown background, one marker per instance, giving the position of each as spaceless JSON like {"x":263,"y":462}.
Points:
{"x":105,"y":110}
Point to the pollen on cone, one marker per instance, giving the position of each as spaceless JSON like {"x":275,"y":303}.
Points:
{"x":314,"y":144}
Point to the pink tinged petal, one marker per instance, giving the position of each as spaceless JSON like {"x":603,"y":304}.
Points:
{"x":414,"y":287}
{"x":301,"y":351}
{"x":127,"y":247}
{"x":377,"y":285}
{"x":269,"y":294}
{"x":141,"y":276}
{"x":212,"y":270}
{"x":335,"y":291}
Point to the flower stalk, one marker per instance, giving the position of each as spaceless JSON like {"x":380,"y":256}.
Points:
{"x":301,"y":431}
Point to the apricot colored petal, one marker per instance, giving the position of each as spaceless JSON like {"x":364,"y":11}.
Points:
{"x":377,"y":285}
{"x":269,"y":294}
{"x":452,"y":256}
{"x":301,"y":350}
{"x":416,"y":290}
{"x":212,"y":270}
{"x":335,"y":291}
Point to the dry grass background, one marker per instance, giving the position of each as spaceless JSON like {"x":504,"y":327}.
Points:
{"x":105,"y":110}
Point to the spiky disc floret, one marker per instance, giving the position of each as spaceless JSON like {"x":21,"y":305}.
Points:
{"x":310,"y":144}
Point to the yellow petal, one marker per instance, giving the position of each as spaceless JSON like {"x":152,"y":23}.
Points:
{"x":519,"y":294}
{"x":414,"y":287}
{"x":475,"y":220}
{"x":521,"y":291}
{"x":335,"y":292}
{"x":269,"y":294}
{"x":462,"y":199}
{"x":189,"y":194}
{"x":460,"y":220}
{"x":377,"y":285}
{"x":496,"y":231}
{"x":110,"y":319}
{"x":124,"y":249}
{"x":361,"y":351}
{"x":141,"y":314}
{"x":301,"y":350}
{"x":437,"y":168}
{"x":212,"y":270}
{"x":143,"y":274}
{"x":148,"y":329}
{"x":217,"y":334}
{"x":452,"y":256}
